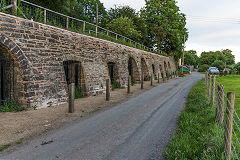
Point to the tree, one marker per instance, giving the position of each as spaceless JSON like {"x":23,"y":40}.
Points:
{"x":191,"y":58}
{"x":81,"y":9}
{"x":166,"y":25}
{"x":230,"y":58}
{"x":125,"y":27}
{"x":219,"y":64}
{"x":237,"y":67}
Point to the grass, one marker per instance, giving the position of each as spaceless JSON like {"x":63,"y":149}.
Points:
{"x":196,"y":137}
{"x":5,"y":147}
{"x":20,"y":141}
{"x":11,"y":106}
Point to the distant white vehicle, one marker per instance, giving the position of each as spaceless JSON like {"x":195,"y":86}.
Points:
{"x":213,"y":70}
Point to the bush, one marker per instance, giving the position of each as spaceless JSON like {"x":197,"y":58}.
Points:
{"x":11,"y":106}
{"x":78,"y":94}
{"x":203,"y":68}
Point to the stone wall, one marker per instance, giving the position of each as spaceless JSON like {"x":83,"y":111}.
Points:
{"x":41,"y":50}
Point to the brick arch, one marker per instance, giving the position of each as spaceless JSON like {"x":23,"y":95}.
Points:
{"x":19,"y":55}
{"x":145,"y":70}
{"x":16,"y":72}
{"x":133,"y":69}
{"x":75,"y":72}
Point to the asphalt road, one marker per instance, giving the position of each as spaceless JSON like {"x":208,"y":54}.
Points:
{"x":138,"y":129}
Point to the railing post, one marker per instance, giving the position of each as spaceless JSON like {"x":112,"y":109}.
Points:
{"x":116,"y":36}
{"x":158,"y":78}
{"x":71,"y":97}
{"x":67,"y":23}
{"x":107,"y":90}
{"x":229,"y":124}
{"x":129,"y":84}
{"x":213,"y":90}
{"x":220,"y":107}
{"x":96,"y":30}
{"x":84,"y":27}
{"x":14,"y":7}
{"x":209,"y":85}
{"x":107,"y":33}
{"x":142,"y":79}
{"x":45,"y":16}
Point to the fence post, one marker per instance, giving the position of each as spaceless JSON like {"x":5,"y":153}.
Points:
{"x":152,"y":79}
{"x":229,"y":124}
{"x":158,"y":77}
{"x":213,"y":90}
{"x":14,"y":7}
{"x":45,"y":16}
{"x":96,"y":31}
{"x":71,"y":97}
{"x":220,"y":107}
{"x":142,"y":79}
{"x":116,"y":36}
{"x":163,"y":76}
{"x":67,"y":22}
{"x":107,"y":90}
{"x":129,"y":84}
{"x":209,"y":85}
{"x":84,"y":27}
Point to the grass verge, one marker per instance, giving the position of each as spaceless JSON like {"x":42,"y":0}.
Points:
{"x":196,"y":137}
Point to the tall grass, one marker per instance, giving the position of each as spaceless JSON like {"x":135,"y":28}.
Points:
{"x":196,"y":137}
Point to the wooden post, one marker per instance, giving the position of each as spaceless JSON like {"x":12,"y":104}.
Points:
{"x":220,"y":107}
{"x":67,"y":22}
{"x":107,"y":90}
{"x":84,"y":27}
{"x":107,"y":33}
{"x":14,"y":7}
{"x":116,"y":36}
{"x":71,"y":97}
{"x":163,"y":76}
{"x":142,"y":79}
{"x":229,"y":124}
{"x":207,"y":80}
{"x":209,"y":85}
{"x":45,"y":16}
{"x":129,"y":84}
{"x":152,"y":76}
{"x":213,"y":90}
{"x":96,"y":30}
{"x":158,"y":78}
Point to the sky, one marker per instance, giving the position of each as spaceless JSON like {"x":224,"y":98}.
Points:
{"x":212,"y":24}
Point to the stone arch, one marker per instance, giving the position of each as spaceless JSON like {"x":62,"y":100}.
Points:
{"x":161,"y":70}
{"x":74,"y":73}
{"x":154,"y":69}
{"x":144,"y":69}
{"x":14,"y":73}
{"x":133,"y":69}
{"x":169,"y":68}
{"x":113,"y":74}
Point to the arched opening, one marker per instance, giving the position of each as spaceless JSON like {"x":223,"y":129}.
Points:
{"x":11,"y":78}
{"x":161,"y":70}
{"x":169,"y":68}
{"x":145,"y":70}
{"x":154,"y":72}
{"x":113,"y":74}
{"x":133,"y":70}
{"x":74,"y":73}
{"x":166,"y":69}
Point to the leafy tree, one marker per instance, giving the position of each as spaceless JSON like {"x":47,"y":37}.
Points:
{"x":124,"y":26}
{"x":203,"y":68}
{"x":219,"y":64}
{"x":166,"y":25}
{"x":191,"y":58}
{"x":81,"y":9}
{"x":237,"y":67}
{"x":229,"y":57}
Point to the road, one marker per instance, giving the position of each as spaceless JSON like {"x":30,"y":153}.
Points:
{"x":137,"y":129}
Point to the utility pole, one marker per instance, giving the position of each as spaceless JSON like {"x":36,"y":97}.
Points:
{"x":183,"y":52}
{"x":96,"y":18}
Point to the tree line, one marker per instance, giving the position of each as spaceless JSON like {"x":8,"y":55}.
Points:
{"x":159,"y":24}
{"x":220,"y":59}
